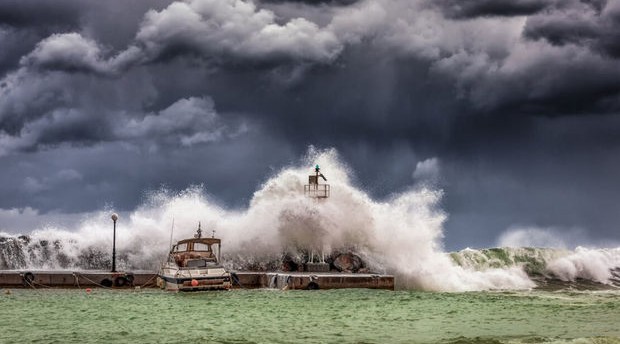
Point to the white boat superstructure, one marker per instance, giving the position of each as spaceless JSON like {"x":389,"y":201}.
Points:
{"x":193,"y":265}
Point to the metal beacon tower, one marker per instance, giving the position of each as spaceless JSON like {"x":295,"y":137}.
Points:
{"x":315,"y":190}
{"x":319,"y":192}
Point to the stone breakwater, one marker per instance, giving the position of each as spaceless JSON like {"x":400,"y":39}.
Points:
{"x":25,"y":253}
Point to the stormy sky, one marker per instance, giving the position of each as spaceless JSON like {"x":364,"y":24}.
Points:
{"x":511,"y":107}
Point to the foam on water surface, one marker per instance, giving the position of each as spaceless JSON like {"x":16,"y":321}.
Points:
{"x":323,"y":316}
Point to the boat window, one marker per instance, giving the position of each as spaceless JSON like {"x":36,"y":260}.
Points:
{"x":196,"y":263}
{"x":198,"y":246}
{"x":180,"y":248}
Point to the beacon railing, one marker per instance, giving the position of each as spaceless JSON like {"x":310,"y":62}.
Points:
{"x":317,"y":190}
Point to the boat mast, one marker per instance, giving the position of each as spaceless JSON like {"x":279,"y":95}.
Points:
{"x":198,"y":234}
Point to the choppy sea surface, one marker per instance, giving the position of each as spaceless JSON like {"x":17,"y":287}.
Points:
{"x":323,"y":316}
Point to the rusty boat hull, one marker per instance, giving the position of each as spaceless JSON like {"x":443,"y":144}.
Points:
{"x":193,"y":265}
{"x":215,"y":278}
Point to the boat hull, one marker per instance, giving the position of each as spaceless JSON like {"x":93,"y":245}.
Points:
{"x":196,"y":283}
{"x":192,"y":265}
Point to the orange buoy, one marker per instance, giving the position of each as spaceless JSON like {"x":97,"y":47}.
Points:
{"x":194,"y":283}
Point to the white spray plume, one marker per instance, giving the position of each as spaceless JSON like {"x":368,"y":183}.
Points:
{"x":549,"y":237}
{"x":595,"y":264}
{"x":586,"y":263}
{"x":401,"y":235}
{"x":531,"y":236}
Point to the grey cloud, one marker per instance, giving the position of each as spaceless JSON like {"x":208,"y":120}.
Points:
{"x":232,"y":28}
{"x":545,"y":171}
{"x":463,"y":9}
{"x":26,"y":97}
{"x":217,"y":30}
{"x":67,"y":52}
{"x":583,"y":24}
{"x":69,"y":15}
{"x":240,"y":31}
{"x":15,"y":44}
{"x":24,"y":220}
{"x":497,"y":70}
{"x":316,"y":2}
{"x":35,"y":185}
{"x":30,"y":13}
{"x":534,"y":77}
{"x":52,"y":107}
{"x":188,"y":122}
{"x":115,"y":174}
{"x":60,"y":126}
{"x":427,"y":171}
{"x":207,"y":91}
{"x":23,"y":23}
{"x":497,"y":60}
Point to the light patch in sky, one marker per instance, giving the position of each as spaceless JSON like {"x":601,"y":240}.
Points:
{"x":532,"y":236}
{"x":427,"y":171}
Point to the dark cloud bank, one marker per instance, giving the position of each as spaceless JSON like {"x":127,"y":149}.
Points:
{"x":511,"y":107}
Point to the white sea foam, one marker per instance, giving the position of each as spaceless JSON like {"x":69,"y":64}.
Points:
{"x":401,"y":235}
{"x":586,"y":263}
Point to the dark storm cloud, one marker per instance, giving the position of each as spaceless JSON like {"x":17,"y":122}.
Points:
{"x":316,"y":2}
{"x":544,"y":172}
{"x":60,"y":14}
{"x":214,"y":30}
{"x":68,"y":15}
{"x":186,"y":122}
{"x":243,"y":30}
{"x":509,"y":106}
{"x":494,"y":72}
{"x":464,"y":9}
{"x":68,"y":52}
{"x":24,"y":23}
{"x":584,"y":24}
{"x":553,"y":81}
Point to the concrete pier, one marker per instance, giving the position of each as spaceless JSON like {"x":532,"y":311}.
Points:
{"x":75,"y":279}
{"x":146,"y":279}
{"x":318,"y":280}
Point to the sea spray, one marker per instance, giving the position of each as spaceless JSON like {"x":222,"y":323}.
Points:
{"x":532,"y":260}
{"x":590,"y":264}
{"x":599,"y":265}
{"x":400,"y":235}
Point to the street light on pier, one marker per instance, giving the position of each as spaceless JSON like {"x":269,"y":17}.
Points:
{"x":114,"y":218}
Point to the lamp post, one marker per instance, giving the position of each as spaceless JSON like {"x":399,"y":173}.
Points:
{"x":114,"y":218}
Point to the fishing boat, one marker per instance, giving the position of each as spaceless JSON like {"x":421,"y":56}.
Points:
{"x":194,"y":265}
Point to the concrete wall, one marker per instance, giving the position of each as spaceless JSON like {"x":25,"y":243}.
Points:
{"x":249,"y":280}
{"x":72,"y":279}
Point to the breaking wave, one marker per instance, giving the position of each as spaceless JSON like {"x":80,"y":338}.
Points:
{"x":401,"y":236}
{"x":549,"y":265}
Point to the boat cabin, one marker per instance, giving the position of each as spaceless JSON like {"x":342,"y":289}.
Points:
{"x":196,"y":252}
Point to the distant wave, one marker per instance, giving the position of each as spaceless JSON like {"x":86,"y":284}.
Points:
{"x":549,"y":266}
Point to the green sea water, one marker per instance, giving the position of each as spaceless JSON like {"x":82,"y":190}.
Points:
{"x":323,"y":316}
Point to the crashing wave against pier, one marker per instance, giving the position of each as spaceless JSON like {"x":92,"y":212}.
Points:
{"x":400,"y":236}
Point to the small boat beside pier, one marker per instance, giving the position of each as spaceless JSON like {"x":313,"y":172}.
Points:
{"x":193,"y":265}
